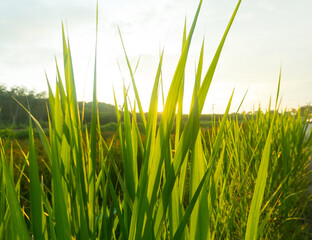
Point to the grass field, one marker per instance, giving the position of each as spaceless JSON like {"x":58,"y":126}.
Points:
{"x":236,"y":180}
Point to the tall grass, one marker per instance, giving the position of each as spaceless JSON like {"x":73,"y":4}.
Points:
{"x":233,"y":181}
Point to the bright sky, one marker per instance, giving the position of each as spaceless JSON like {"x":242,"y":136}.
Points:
{"x":266,"y":34}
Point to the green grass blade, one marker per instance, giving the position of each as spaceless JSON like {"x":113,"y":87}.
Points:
{"x":119,"y":178}
{"x":255,"y":208}
{"x":152,"y":115}
{"x":92,"y":161}
{"x":129,"y":163}
{"x":198,"y":72}
{"x":175,"y":206}
{"x":133,"y":83}
{"x":35,"y":189}
{"x":149,"y":187}
{"x":207,"y":174}
{"x":16,"y":216}
{"x":180,"y":99}
{"x":59,"y":207}
{"x":48,"y":208}
{"x":4,"y":223}
{"x":198,"y":166}
{"x":76,"y":149}
{"x":208,"y":77}
{"x":201,"y":99}
{"x":61,"y":88}
{"x":117,"y":206}
{"x":199,"y":221}
{"x":278,"y":88}
{"x":3,"y":209}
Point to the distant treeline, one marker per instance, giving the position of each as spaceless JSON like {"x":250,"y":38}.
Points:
{"x":11,"y":113}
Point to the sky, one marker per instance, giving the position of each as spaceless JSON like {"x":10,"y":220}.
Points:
{"x":266,"y":36}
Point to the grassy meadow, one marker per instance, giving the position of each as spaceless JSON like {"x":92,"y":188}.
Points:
{"x":238,"y":179}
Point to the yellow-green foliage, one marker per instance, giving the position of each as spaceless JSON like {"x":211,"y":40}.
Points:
{"x":235,"y":180}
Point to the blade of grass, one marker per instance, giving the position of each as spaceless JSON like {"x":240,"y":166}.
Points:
{"x":133,"y":83}
{"x":16,"y":216}
{"x":208,"y":77}
{"x":92,"y":161}
{"x":207,"y":174}
{"x":149,"y":188}
{"x":176,"y":208}
{"x":255,"y":209}
{"x":59,"y":206}
{"x":35,"y":189}
{"x":201,"y":99}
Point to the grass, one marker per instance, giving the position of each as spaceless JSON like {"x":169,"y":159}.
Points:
{"x":239,"y":179}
